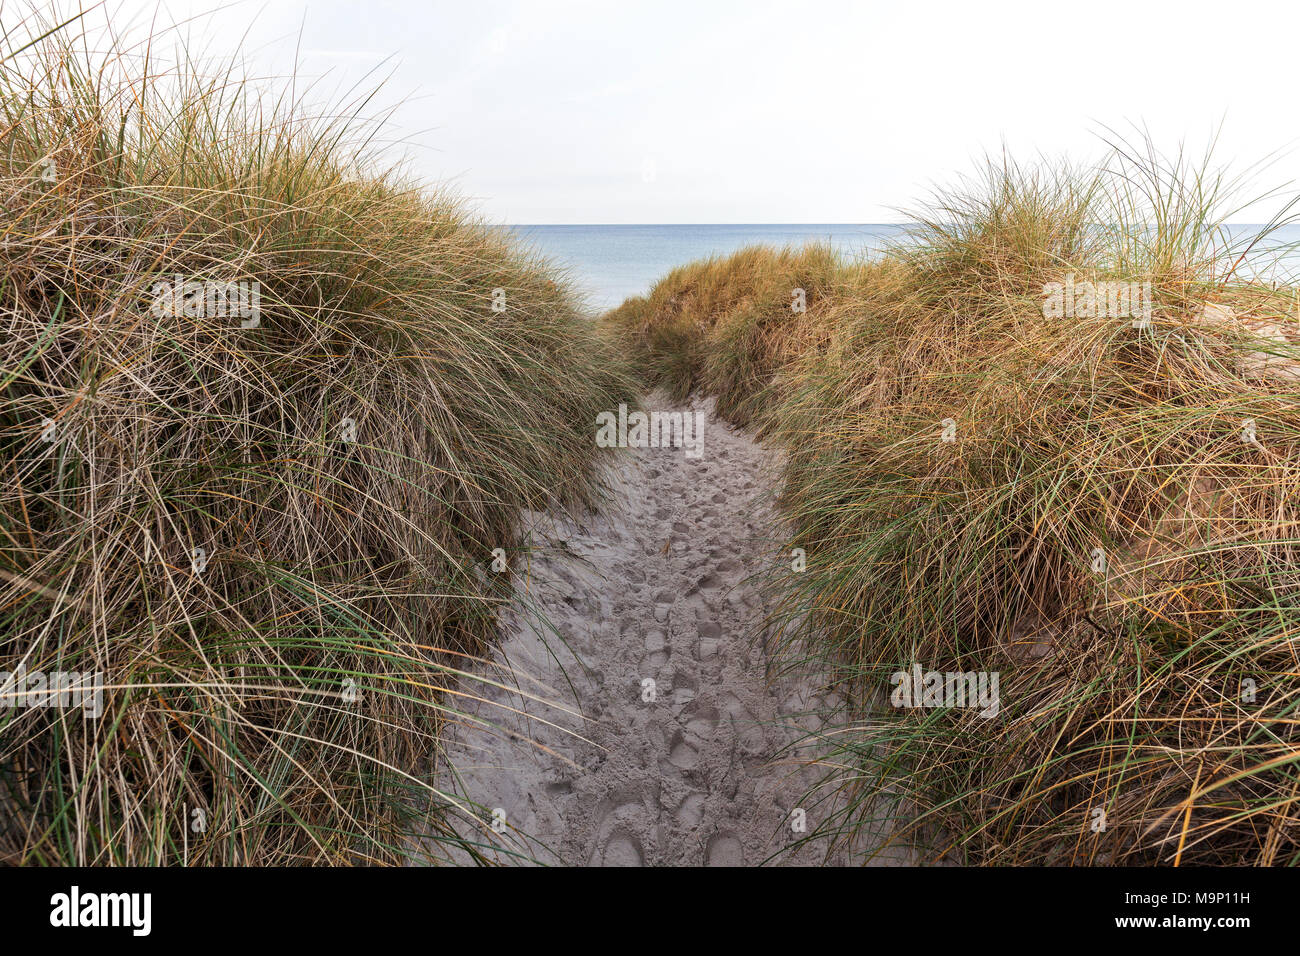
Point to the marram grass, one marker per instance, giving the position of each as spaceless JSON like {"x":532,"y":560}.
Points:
{"x":273,"y":535}
{"x":1111,"y":528}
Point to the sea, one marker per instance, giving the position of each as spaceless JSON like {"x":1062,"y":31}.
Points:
{"x":609,"y":263}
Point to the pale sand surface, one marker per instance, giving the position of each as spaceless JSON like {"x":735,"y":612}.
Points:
{"x":663,"y":583}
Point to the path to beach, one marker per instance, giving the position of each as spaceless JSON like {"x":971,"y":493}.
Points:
{"x":662,"y":585}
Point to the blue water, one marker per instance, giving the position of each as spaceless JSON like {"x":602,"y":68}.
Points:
{"x":610,"y":263}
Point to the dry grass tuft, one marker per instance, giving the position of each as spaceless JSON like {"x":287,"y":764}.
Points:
{"x":347,"y":459}
{"x":1127,"y":688}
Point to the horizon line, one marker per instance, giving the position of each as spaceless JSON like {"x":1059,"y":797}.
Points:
{"x":810,"y":223}
{"x":513,"y":225}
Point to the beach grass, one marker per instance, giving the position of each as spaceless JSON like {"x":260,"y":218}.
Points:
{"x":1097,"y":505}
{"x":268,"y":521}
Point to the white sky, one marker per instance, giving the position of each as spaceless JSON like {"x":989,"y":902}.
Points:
{"x":770,"y":111}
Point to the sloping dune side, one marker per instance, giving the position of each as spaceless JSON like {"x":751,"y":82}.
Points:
{"x":264,"y":420}
{"x":1027,"y":446}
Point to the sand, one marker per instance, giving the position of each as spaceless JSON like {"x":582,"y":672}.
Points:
{"x":575,"y":759}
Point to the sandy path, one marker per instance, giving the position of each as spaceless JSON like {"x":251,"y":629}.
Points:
{"x":655,"y":587}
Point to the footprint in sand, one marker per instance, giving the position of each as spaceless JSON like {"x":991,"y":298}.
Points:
{"x":710,"y":632}
{"x":710,"y":584}
{"x":656,"y":645}
{"x":724,"y":850}
{"x":751,"y":740}
{"x":701,"y":719}
{"x":682,"y":754}
{"x":683,"y":695}
{"x":691,"y":810}
{"x":622,"y":849}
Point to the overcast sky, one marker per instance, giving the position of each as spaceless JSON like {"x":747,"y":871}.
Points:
{"x":700,"y":111}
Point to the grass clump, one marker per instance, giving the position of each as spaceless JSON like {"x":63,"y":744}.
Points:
{"x":1099,"y":507}
{"x":271,"y":534}
{"x":726,"y":325}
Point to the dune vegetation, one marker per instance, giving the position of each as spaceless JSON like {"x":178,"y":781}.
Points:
{"x":1098,"y":504}
{"x":266,"y":412}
